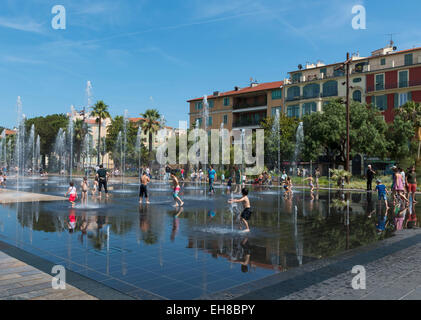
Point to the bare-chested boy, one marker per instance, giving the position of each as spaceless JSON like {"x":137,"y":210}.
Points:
{"x":143,"y":191}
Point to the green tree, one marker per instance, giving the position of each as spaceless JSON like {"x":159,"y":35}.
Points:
{"x":100,"y":112}
{"x":325,"y":132}
{"x":47,"y":128}
{"x":285,"y":136}
{"x":411,"y":112}
{"x":150,"y":124}
{"x":400,"y":136}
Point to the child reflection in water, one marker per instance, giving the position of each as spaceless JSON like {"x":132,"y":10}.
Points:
{"x":72,"y":221}
{"x":245,"y":255}
{"x":176,"y":223}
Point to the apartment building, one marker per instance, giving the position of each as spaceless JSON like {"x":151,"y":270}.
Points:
{"x":393,"y":78}
{"x":312,"y":86}
{"x":387,"y":79}
{"x":240,"y":108}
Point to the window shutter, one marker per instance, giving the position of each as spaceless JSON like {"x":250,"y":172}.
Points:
{"x":409,"y":96}
{"x":396,"y":100}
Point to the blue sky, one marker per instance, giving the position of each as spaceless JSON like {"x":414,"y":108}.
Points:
{"x":153,"y":53}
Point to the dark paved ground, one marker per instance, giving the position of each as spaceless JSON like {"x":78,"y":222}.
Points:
{"x":393,"y":272}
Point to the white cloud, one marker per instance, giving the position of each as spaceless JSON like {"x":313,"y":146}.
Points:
{"x":21,"y":24}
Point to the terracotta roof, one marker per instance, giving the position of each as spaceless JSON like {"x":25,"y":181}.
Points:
{"x":10,"y":132}
{"x":259,"y":87}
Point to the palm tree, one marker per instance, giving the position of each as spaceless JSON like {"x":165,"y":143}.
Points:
{"x":100,"y":112}
{"x":151,"y":124}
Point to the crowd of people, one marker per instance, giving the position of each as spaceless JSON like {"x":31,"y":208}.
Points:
{"x":403,"y":187}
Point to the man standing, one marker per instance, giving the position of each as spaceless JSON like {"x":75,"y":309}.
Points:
{"x":370,"y":177}
{"x":102,"y":176}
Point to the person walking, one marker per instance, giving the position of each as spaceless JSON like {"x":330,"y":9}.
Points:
{"x":212,"y":176}
{"x":370,"y":177}
{"x":102,"y":176}
{"x":411,"y":183}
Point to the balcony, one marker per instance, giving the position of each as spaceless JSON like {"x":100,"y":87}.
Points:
{"x":239,"y":123}
{"x":394,"y":85}
{"x":320,"y":95}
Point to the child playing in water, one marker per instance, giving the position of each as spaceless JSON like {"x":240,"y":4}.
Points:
{"x":310,"y":183}
{"x":382,"y":192}
{"x":246,"y":214}
{"x":287,"y":186}
{"x":96,"y":183}
{"x":176,"y":190}
{"x":72,"y":194}
{"x":85,"y":188}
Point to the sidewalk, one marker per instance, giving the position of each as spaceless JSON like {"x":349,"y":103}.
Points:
{"x":20,"y":281}
{"x":393,"y":272}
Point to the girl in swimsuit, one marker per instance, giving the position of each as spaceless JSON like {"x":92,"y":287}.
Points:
{"x":72,"y":194}
{"x":176,"y":190}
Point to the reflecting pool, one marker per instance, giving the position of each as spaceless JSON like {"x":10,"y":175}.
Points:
{"x":189,"y":252}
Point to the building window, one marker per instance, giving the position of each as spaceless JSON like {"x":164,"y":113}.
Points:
{"x":356,"y":96}
{"x":198,"y":122}
{"x":276,"y":94}
{"x":209,"y":121}
{"x":323,"y":71}
{"x":408,"y":59}
{"x":226,"y":102}
{"x":380,"y":102}
{"x":199,"y":105}
{"x":402,"y":98}
{"x":308,"y":108}
{"x":296,"y":77}
{"x":338,"y":73}
{"x":311,"y":90}
{"x":293,"y":111}
{"x":330,"y":89}
{"x":211,"y":103}
{"x":274,"y":111}
{"x":225,"y":119}
{"x":293,"y":93}
{"x":383,"y":61}
{"x":379,"y":82}
{"x":356,"y":80}
{"x":403,"y":79}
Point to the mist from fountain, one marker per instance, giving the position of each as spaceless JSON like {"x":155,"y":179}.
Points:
{"x":276,"y":135}
{"x":299,"y":141}
{"x":138,"y":149}
{"x":20,"y":144}
{"x":3,"y":150}
{"x":70,"y":131}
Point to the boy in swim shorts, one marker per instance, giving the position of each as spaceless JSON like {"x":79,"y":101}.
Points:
{"x":246,"y":214}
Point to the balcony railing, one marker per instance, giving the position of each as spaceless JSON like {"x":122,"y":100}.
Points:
{"x":246,"y":105}
{"x":246,"y":123}
{"x":394,"y":85}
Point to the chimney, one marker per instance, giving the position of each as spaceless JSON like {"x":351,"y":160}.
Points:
{"x":216,"y":93}
{"x":236,"y":88}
